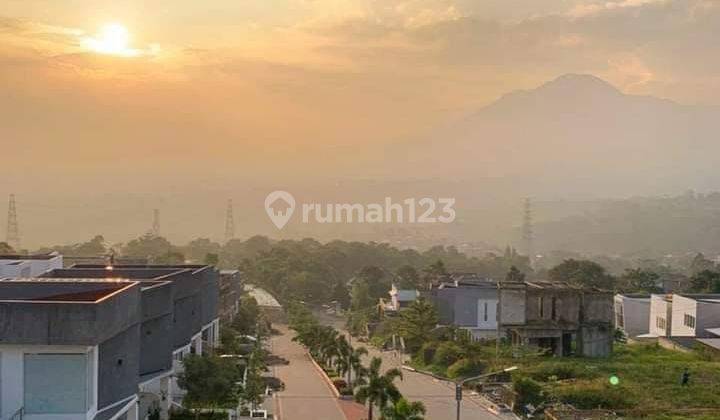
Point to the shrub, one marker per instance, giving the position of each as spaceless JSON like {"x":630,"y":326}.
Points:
{"x":447,"y":353}
{"x":587,"y":398}
{"x":427,"y":353}
{"x":339,"y":383}
{"x":528,"y":391}
{"x":465,"y":368}
{"x":561,"y":372}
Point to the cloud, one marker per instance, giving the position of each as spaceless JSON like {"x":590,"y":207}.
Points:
{"x":582,"y":10}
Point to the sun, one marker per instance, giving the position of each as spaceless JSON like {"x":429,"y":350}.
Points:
{"x":113,"y":39}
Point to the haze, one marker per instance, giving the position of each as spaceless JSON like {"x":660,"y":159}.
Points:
{"x":488,"y":101}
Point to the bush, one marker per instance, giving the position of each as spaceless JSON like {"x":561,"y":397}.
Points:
{"x":562,"y":372}
{"x":466,"y":368}
{"x":588,"y":398}
{"x":427,"y":353}
{"x":447,"y":353}
{"x":528,"y":391}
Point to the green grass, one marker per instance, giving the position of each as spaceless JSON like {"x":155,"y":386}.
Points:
{"x":649,"y":378}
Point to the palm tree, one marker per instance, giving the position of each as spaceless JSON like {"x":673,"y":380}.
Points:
{"x":378,"y":389}
{"x":356,"y":364}
{"x":404,"y":410}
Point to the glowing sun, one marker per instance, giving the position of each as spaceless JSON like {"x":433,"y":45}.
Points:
{"x":113,"y":39}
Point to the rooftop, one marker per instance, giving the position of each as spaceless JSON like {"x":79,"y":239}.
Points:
{"x":15,"y":257}
{"x":63,"y":291}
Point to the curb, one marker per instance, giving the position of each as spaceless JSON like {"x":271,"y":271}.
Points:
{"x":324,"y":375}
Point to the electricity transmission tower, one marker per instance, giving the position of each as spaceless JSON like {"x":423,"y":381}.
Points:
{"x":229,"y":222}
{"x":527,"y":230}
{"x":156,"y":223}
{"x":13,"y":232}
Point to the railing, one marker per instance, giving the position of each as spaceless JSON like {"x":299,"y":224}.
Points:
{"x":18,"y":414}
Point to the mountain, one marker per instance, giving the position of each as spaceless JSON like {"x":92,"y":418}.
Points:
{"x":578,"y":134}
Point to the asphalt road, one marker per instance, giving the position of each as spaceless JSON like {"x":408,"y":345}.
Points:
{"x":306,"y":396}
{"x":438,"y":396}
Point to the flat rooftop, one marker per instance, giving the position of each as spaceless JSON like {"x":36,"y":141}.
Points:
{"x":20,"y":257}
{"x":64,"y":291}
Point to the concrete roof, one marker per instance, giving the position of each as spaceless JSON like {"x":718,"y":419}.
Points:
{"x":262,"y":297}
{"x":46,"y":290}
{"x":711,"y":342}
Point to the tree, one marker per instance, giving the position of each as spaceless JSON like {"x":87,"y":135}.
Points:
{"x":404,"y":410}
{"x":417,"y":322}
{"x":515,"y":275}
{"x":705,"y":282}
{"x":582,"y":273}
{"x":700,"y":264}
{"x":155,"y":248}
{"x":640,"y":280}
{"x":432,"y":272}
{"x":6,"y":249}
{"x":360,"y":296}
{"x":408,"y":277}
{"x":210,"y":381}
{"x":378,"y":389}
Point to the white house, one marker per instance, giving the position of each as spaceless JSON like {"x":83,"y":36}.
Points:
{"x":16,"y":266}
{"x":632,"y":314}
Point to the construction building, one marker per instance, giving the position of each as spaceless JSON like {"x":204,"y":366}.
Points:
{"x":553,"y":316}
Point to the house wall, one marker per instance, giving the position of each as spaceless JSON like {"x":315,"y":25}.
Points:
{"x":708,"y":316}
{"x":659,"y":308}
{"x":12,"y":379}
{"x":459,"y":306}
{"x":119,"y":366}
{"x":513,"y":306}
{"x":682,"y":306}
{"x":635,"y":313}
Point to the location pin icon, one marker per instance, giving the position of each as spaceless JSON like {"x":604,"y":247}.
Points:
{"x":280,"y":206}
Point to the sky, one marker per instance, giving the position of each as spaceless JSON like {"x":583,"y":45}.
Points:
{"x":211,"y":94}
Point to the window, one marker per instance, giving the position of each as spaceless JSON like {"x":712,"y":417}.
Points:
{"x":554,"y":308}
{"x":56,"y":383}
{"x":689,"y":321}
{"x":485,"y":317}
{"x":541,"y":304}
{"x":660,"y":323}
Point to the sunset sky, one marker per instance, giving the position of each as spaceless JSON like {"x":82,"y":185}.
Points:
{"x":221,"y":91}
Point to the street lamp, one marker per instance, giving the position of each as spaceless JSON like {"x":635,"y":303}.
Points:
{"x":459,"y":385}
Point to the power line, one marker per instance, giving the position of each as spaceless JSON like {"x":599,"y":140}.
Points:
{"x":229,"y":222}
{"x":156,"y":223}
{"x":13,"y":231}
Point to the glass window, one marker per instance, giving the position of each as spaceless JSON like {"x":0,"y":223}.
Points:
{"x":56,"y":383}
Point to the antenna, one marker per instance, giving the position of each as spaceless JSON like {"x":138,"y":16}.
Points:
{"x":156,"y":223}
{"x":229,"y":222}
{"x":527,"y":230}
{"x":13,"y":232}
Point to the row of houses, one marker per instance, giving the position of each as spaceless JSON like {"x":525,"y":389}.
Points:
{"x":558,"y":317}
{"x":677,"y":317}
{"x":101,"y":342}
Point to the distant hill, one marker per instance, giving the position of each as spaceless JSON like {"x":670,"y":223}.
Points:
{"x":578,"y":134}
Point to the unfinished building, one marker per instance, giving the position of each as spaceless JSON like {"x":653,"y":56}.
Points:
{"x":557,"y":317}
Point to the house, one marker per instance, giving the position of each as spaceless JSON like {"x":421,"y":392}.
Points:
{"x":231,"y":285}
{"x":69,"y":350}
{"x":632,"y":313}
{"x":684,"y":315}
{"x":401,"y":298}
{"x":14,"y":266}
{"x":179,"y":316}
{"x":470,"y":305}
{"x":555,"y":315}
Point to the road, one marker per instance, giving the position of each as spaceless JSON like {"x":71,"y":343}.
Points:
{"x":307,"y":396}
{"x":438,"y":396}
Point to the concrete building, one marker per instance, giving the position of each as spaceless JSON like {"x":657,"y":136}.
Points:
{"x":69,"y":350}
{"x":16,"y":266}
{"x":401,"y":298}
{"x":554,"y":315}
{"x":684,"y":315}
{"x":468,"y":304}
{"x":632,"y":314}
{"x":179,"y":317}
{"x":231,"y":284}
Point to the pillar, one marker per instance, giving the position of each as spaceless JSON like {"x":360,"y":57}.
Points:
{"x":165,"y":397}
